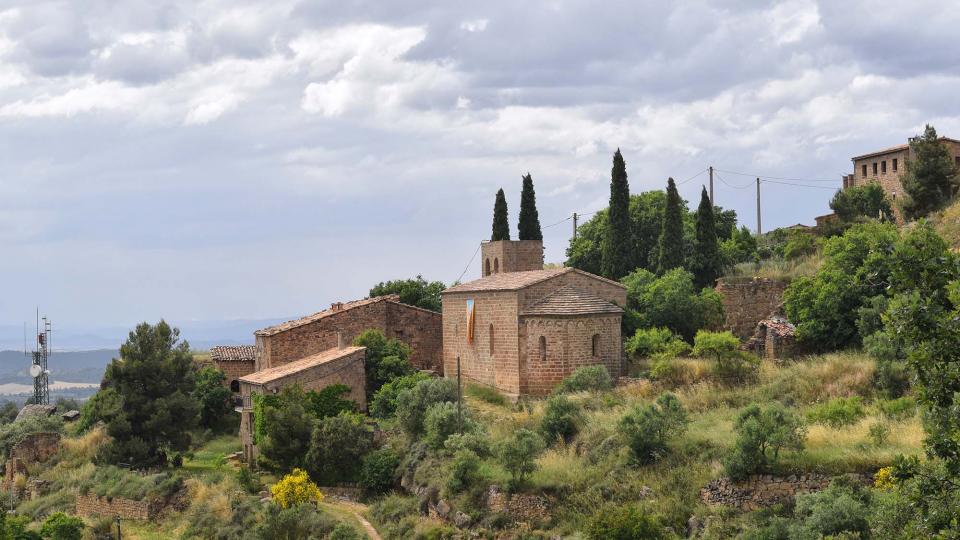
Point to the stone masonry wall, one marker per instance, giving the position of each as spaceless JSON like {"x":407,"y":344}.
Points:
{"x":234,"y":369}
{"x":747,"y":302}
{"x":348,"y":370}
{"x":511,"y":256}
{"x":36,"y":447}
{"x":91,"y":505}
{"x":761,"y":491}
{"x":499,"y":366}
{"x":422,"y":330}
{"x":569,"y":343}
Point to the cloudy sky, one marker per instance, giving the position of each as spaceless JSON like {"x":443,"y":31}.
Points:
{"x":230,"y":159}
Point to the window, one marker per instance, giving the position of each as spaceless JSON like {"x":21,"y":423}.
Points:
{"x":874,"y":168}
{"x":491,"y":341}
{"x":595,"y":346}
{"x":543,"y":349}
{"x":883,"y":166}
{"x":398,"y":334}
{"x":894,"y":163}
{"x":863,"y":169}
{"x":234,"y":386}
{"x":496,"y":266}
{"x":486,"y":268}
{"x":957,"y":161}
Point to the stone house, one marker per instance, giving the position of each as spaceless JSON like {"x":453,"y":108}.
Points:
{"x":235,"y":361}
{"x":774,"y":339}
{"x":521,"y":329}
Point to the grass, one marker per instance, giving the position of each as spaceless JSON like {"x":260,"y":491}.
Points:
{"x":211,"y":457}
{"x":487,"y":394}
{"x":779,"y":269}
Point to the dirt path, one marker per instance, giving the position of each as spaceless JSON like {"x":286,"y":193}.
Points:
{"x":357,"y":510}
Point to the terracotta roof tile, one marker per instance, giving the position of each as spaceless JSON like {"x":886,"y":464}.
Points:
{"x":512,"y":281}
{"x":571,"y":301}
{"x":265,"y":376}
{"x":233,"y":353}
{"x":335,"y":308}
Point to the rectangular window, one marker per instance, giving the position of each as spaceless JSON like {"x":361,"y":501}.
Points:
{"x":864,"y":170}
{"x":957,"y":160}
{"x":894,"y":164}
{"x":883,"y":166}
{"x":874,"y":168}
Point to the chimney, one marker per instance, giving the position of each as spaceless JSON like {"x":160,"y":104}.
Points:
{"x":336,"y":306}
{"x":339,"y":339}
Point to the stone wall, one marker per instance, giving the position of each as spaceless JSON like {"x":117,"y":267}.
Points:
{"x":92,"y":505}
{"x":761,"y":491}
{"x":234,"y":369}
{"x":348,"y":369}
{"x":519,"y":506}
{"x":511,"y":256}
{"x":36,"y":447}
{"x":747,"y":301}
{"x":569,"y":345}
{"x":496,"y":313}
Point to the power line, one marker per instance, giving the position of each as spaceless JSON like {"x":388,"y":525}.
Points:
{"x":692,"y":177}
{"x":729,"y":185}
{"x":775,"y":177}
{"x":468,"y":264}
{"x":798,"y":185}
{"x":568,"y":218}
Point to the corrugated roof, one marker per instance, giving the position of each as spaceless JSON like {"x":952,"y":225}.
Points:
{"x":570,"y":301}
{"x":265,"y":376}
{"x":512,"y":281}
{"x":233,"y":353}
{"x":334,"y":309}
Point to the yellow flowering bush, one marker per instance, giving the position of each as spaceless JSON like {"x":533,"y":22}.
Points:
{"x":294,"y":489}
{"x":883,"y":479}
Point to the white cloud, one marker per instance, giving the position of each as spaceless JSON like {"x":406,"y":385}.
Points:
{"x":474,"y":25}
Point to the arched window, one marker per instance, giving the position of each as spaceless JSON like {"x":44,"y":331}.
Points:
{"x":543,"y":349}
{"x":595,"y":346}
{"x":486,"y":268}
{"x":234,"y":385}
{"x":491,"y":341}
{"x":496,"y":266}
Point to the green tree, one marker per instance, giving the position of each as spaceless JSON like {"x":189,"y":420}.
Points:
{"x":671,"y":231}
{"x":518,"y":455}
{"x":386,"y":359}
{"x":761,"y":435}
{"x":384,"y":403}
{"x":859,"y":202}
{"x":617,"y":242}
{"x":501,"y":224}
{"x":561,"y":419}
{"x":649,"y":428}
{"x":60,"y":526}
{"x":213,"y":398}
{"x":625,"y":523}
{"x":154,"y":379}
{"x":287,"y":436}
{"x":707,"y":263}
{"x":412,"y":404}
{"x":724,"y":347}
{"x":338,"y":445}
{"x":528,"y":228}
{"x":670,"y":301}
{"x":739,"y":248}
{"x":415,"y":292}
{"x":585,"y":251}
{"x":443,"y":420}
{"x":931,"y":176}
{"x":378,"y":472}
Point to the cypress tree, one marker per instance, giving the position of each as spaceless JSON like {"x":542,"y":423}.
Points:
{"x":616,"y":247}
{"x":671,"y":231}
{"x":501,"y":226}
{"x":707,"y":264}
{"x":529,"y":226}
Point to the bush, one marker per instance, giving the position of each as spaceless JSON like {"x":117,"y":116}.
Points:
{"x":648,"y":428}
{"x":337,"y":447}
{"x":298,"y":522}
{"x":464,"y":471}
{"x":518,"y":455}
{"x":214,"y":398}
{"x":60,"y":526}
{"x":476,"y":442}
{"x":761,"y":435}
{"x":587,"y":378}
{"x":443,"y":420}
{"x":486,"y":394}
{"x":384,"y":403}
{"x":412,"y":404}
{"x":103,"y":406}
{"x":724,"y":347}
{"x":295,"y":489}
{"x":670,"y":301}
{"x":799,"y":244}
{"x":344,"y":532}
{"x":878,"y":433}
{"x":898,"y":410}
{"x":378,"y":472}
{"x":561,"y":419}
{"x":838,"y":509}
{"x":625,"y":523}
{"x":891,"y":378}
{"x":247,"y":480}
{"x":649,"y":341}
{"x":838,"y":412}
{"x":665,"y":368}
{"x":386,"y":359}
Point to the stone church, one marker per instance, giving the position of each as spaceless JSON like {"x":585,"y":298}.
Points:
{"x":521,"y":328}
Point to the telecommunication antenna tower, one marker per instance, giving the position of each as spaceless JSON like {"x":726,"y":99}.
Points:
{"x":41,"y":356}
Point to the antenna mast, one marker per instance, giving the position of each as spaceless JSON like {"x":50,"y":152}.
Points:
{"x":41,"y":357}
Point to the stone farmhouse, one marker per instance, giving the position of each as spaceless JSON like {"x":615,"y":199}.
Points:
{"x":235,"y":361}
{"x":886,"y":167}
{"x":521,"y":329}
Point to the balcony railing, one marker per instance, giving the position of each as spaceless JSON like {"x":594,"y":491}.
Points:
{"x":242,"y":403}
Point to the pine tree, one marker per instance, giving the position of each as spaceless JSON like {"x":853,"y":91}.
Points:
{"x":529,"y":226}
{"x":707,"y":263}
{"x":671,"y":232}
{"x":931,"y":175}
{"x":616,"y":248}
{"x":501,"y":226}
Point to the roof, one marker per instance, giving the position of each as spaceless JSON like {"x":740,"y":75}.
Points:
{"x":570,"y":301}
{"x":265,"y":376}
{"x":335,"y":308}
{"x":778,"y":326}
{"x":898,"y":148}
{"x":512,"y":281}
{"x":233,"y":353}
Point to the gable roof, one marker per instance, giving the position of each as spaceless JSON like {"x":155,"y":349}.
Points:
{"x":898,"y":148}
{"x":233,"y":353}
{"x":335,"y":308}
{"x":265,"y":376}
{"x":514,"y":281}
{"x":570,"y":301}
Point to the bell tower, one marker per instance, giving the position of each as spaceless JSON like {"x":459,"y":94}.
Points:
{"x":510,"y":256}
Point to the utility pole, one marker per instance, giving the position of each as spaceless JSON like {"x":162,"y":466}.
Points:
{"x":758,"y":207}
{"x":574,"y":225}
{"x":459,"y":400}
{"x":711,"y":186}
{"x":119,"y":536}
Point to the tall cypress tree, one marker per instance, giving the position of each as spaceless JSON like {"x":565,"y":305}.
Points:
{"x":707,"y":264}
{"x":529,"y":226}
{"x":616,"y":247}
{"x":501,"y":226}
{"x":671,"y":231}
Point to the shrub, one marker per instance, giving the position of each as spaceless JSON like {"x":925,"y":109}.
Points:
{"x":213,"y":397}
{"x":384,"y":403}
{"x":664,"y":367}
{"x":724,"y":347}
{"x":337,"y":447}
{"x":103,"y":406}
{"x":476,"y":442}
{"x":587,"y":378}
{"x":838,"y":509}
{"x":649,"y":341}
{"x":60,"y":526}
{"x":648,"y":428}
{"x":443,"y":420}
{"x":487,"y":394}
{"x":625,"y":523}
{"x":412,"y":404}
{"x":898,"y":410}
{"x":878,"y":433}
{"x":838,"y":412}
{"x":518,"y":455}
{"x":344,"y":532}
{"x":386,"y":359}
{"x":561,"y":419}
{"x":295,"y":489}
{"x":298,"y":522}
{"x":891,"y":378}
{"x":464,"y":471}
{"x":670,"y":301}
{"x":799,"y":244}
{"x":761,"y":435}
{"x":286,"y":437}
{"x":378,"y":472}
{"x":247,"y":480}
